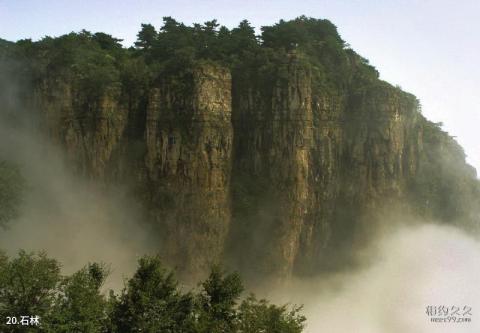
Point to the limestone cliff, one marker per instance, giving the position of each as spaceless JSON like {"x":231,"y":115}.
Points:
{"x":277,"y":159}
{"x":312,"y":168}
{"x":181,"y":166}
{"x":88,"y":128}
{"x":188,"y":166}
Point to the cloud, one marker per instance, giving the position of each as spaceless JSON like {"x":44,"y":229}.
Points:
{"x":76,"y":221}
{"x":408,"y":270}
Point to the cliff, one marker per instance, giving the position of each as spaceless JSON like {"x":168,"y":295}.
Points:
{"x":280,"y":166}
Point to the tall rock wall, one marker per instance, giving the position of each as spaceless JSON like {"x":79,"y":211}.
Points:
{"x":313,"y":170}
{"x":278,"y":175}
{"x":88,"y":127}
{"x":188,"y":165}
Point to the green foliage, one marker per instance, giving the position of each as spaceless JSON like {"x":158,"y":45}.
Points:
{"x":106,"y":42}
{"x":12,"y":186}
{"x":5,"y":46}
{"x":31,"y":285}
{"x":90,"y":61}
{"x":79,"y":305}
{"x":260,"y":316}
{"x":300,"y":32}
{"x":97,"y":62}
{"x":152,"y":301}
{"x":218,"y":302}
{"x":320,"y":43}
{"x":146,"y":36}
{"x":28,"y":285}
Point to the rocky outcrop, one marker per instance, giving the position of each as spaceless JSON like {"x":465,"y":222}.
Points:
{"x":272,"y":161}
{"x":317,"y":172}
{"x":322,"y":166}
{"x":188,"y":138}
{"x":281,"y":179}
{"x":89,"y":128}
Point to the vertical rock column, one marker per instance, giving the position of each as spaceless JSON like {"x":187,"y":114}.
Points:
{"x":89,"y":128}
{"x":379,"y":158}
{"x":289,"y":161}
{"x":189,"y":138}
{"x":273,"y":135}
{"x":324,"y":181}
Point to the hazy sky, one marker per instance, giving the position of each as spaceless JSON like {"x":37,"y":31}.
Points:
{"x":429,"y":47}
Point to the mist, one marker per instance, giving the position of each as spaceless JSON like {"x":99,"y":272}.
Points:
{"x":74,"y":220}
{"x":407,"y":269}
{"x":403,"y":273}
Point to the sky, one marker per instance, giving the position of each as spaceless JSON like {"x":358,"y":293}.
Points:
{"x":428,"y":47}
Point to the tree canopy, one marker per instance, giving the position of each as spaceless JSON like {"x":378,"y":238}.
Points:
{"x":152,"y":300}
{"x":97,"y":61}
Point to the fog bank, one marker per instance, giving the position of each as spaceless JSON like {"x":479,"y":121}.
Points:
{"x":76,"y":221}
{"x":408,"y":270}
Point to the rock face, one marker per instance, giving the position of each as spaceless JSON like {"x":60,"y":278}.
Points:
{"x":281,"y":179}
{"x":272,"y":168}
{"x":175,"y":150}
{"x":188,"y":166}
{"x":89,"y":129}
{"x":322,"y":166}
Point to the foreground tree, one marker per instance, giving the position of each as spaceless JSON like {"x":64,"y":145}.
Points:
{"x":217,"y":302}
{"x":260,"y":316}
{"x":151,"y":302}
{"x":80,"y":306}
{"x":28,"y":287}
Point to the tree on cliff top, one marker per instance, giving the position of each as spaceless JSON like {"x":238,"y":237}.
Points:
{"x":98,"y":61}
{"x":146,"y":36}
